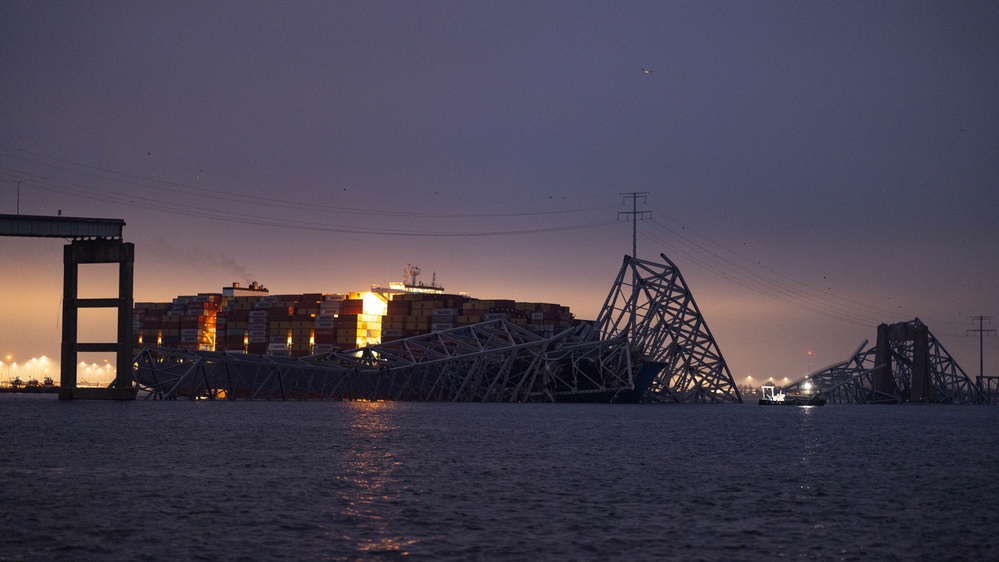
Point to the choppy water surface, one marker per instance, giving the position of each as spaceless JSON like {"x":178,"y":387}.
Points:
{"x":345,"y":481}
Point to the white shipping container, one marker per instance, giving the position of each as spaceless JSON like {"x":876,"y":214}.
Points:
{"x":445,"y":312}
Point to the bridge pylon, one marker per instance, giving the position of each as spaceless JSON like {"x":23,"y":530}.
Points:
{"x":93,"y":240}
{"x":906,"y":365}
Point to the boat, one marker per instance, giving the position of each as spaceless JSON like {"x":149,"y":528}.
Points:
{"x":773,"y":398}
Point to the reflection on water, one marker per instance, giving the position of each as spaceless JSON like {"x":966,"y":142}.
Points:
{"x":370,"y":492}
{"x":809,"y":450}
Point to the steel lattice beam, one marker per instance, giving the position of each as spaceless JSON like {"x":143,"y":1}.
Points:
{"x":670,"y":347}
{"x":491,"y":361}
{"x":651,"y":305}
{"x":885,"y":376}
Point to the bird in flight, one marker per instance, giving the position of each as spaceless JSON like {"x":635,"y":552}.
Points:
{"x":646,"y":71}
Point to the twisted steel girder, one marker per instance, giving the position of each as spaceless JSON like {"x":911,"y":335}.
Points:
{"x":651,"y":305}
{"x":864,"y":379}
{"x":650,"y":326}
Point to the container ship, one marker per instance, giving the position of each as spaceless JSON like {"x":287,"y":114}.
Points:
{"x":252,"y":320}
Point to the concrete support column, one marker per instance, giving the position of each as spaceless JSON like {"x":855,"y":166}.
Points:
{"x":126,"y":267}
{"x":922,"y":389}
{"x":97,"y":251}
{"x":70,"y":315}
{"x":883,"y":381}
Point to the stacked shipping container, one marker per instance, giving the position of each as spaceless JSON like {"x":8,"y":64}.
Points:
{"x":316,"y":323}
{"x":185,"y":323}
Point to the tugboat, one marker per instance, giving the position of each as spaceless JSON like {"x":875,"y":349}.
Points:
{"x":773,"y":398}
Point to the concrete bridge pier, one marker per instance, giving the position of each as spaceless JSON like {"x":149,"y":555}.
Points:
{"x":94,"y":251}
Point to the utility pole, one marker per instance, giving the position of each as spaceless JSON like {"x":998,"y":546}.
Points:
{"x":981,"y":342}
{"x":636,"y":215}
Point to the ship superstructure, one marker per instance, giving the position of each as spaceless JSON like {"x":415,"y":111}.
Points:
{"x":411,"y":285}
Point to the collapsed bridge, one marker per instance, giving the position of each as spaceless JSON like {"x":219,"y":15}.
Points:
{"x":906,"y":365}
{"x":648,"y":344}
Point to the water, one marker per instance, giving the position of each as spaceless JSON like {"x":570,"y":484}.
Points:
{"x":373,"y":481}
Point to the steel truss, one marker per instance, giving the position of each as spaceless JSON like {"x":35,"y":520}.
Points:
{"x":488,"y":362}
{"x":887,"y":377}
{"x":651,"y":305}
{"x":672,"y":359}
{"x":989,"y":386}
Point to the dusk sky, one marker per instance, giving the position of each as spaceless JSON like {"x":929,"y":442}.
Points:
{"x":813,"y":168}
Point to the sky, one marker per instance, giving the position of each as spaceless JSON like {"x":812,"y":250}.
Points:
{"x":814,"y":169}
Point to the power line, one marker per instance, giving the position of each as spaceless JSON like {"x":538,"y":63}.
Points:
{"x":733,"y":266}
{"x":70,"y":188}
{"x":134,"y":180}
{"x":763,"y":288}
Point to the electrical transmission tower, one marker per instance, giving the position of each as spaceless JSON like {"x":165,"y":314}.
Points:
{"x":636,"y":216}
{"x":981,"y":331}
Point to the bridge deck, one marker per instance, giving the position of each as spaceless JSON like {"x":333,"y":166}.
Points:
{"x":60,"y":227}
